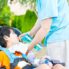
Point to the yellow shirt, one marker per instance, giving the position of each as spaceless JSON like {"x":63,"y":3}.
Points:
{"x":4,"y":60}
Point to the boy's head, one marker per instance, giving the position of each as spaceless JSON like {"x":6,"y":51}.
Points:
{"x":7,"y":36}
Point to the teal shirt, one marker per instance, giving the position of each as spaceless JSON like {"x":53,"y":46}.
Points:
{"x":59,"y":11}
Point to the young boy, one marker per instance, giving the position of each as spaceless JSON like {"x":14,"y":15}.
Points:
{"x":13,"y":49}
{"x":7,"y":40}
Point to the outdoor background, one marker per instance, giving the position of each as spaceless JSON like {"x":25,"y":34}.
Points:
{"x":13,"y":17}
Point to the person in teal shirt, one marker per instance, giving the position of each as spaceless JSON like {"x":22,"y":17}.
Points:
{"x":53,"y":25}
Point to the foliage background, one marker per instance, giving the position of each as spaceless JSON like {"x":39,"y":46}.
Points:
{"x":23,"y":22}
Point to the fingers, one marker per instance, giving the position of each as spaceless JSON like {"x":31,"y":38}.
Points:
{"x":23,"y":35}
{"x":20,"y":36}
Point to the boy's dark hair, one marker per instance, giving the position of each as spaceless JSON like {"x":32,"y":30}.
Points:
{"x":4,"y":30}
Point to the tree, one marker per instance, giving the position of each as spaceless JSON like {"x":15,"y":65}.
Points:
{"x":2,"y":4}
{"x":5,"y":14}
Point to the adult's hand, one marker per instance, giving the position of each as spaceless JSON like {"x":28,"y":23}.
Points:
{"x":23,"y":35}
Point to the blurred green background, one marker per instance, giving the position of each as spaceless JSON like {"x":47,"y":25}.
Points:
{"x":23,"y":22}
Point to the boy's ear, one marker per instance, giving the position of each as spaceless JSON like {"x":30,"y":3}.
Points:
{"x":5,"y":37}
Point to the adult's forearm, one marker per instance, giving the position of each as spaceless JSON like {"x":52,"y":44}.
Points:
{"x":35,"y":28}
{"x":38,"y":37}
{"x":42,"y":32}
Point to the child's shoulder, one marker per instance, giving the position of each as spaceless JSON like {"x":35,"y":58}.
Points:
{"x":2,"y":54}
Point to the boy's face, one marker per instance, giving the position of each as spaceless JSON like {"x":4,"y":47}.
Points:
{"x":13,"y":37}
